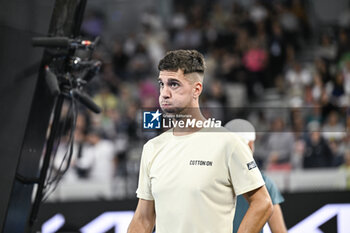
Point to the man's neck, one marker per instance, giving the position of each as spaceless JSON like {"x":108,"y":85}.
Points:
{"x":193,"y":114}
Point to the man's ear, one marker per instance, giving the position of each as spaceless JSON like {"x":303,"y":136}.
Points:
{"x":251,"y":145}
{"x":197,"y":89}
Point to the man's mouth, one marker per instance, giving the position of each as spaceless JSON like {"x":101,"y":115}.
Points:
{"x":165,"y":104}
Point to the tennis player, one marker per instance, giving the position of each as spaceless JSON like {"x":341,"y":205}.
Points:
{"x":190,"y":176}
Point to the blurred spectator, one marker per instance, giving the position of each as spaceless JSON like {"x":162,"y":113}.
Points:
{"x":314,"y":115}
{"x":139,"y":64}
{"x":148,"y":94}
{"x":189,"y":38}
{"x":155,"y":43}
{"x":322,"y":69}
{"x":179,"y":19}
{"x":343,"y":44}
{"x":217,"y":93}
{"x":259,"y":119}
{"x":62,"y":154}
{"x":336,"y":88}
{"x":299,"y":10}
{"x":243,"y":41}
{"x":345,"y":144}
{"x":109,"y":78}
{"x":106,"y":99}
{"x":289,"y":23}
{"x":96,"y":157}
{"x":130,"y":44}
{"x":327,"y":49}
{"x":151,"y":19}
{"x":255,"y":58}
{"x":317,"y":88}
{"x":255,"y":61}
{"x":297,"y":160}
{"x":120,"y":60}
{"x":277,"y":50}
{"x":216,"y":100}
{"x":327,"y":105}
{"x":338,"y":156}
{"x":258,"y":12}
{"x":333,"y":129}
{"x":219,"y":17}
{"x":297,"y":79}
{"x":229,"y":67}
{"x":346,"y":75}
{"x":298,"y":123}
{"x":344,"y":18}
{"x":279,"y":145}
{"x":317,"y":152}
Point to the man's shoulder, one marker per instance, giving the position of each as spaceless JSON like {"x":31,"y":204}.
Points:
{"x":153,"y":145}
{"x":223,"y":137}
{"x":231,"y":137}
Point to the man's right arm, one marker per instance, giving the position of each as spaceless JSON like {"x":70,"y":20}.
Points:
{"x":144,"y":218}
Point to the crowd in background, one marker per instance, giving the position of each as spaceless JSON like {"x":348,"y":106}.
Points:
{"x":255,"y":49}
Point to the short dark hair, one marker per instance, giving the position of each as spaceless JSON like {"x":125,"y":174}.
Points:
{"x":189,"y":61}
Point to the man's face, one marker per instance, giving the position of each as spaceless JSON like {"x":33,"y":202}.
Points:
{"x":176,"y":92}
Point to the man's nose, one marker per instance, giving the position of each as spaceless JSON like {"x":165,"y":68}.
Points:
{"x":165,"y":92}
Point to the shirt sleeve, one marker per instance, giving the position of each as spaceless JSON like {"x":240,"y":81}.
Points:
{"x":244,"y":173}
{"x":144,"y":190}
{"x":275,"y":194}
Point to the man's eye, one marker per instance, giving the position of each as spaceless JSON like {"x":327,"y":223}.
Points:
{"x":161,"y":84}
{"x":174,"y":84}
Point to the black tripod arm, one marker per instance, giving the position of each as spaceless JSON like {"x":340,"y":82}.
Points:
{"x":86,"y":101}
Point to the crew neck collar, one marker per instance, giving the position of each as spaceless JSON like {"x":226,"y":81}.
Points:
{"x":171,"y":132}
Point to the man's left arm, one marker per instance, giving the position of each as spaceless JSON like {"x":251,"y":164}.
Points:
{"x":276,"y":222}
{"x":259,"y":211}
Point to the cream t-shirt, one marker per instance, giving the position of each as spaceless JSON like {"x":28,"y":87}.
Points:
{"x":194,"y":179}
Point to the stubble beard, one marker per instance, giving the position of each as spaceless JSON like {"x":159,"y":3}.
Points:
{"x":175,"y":112}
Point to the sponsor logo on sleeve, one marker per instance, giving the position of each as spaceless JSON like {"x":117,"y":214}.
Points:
{"x":251,"y":165}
